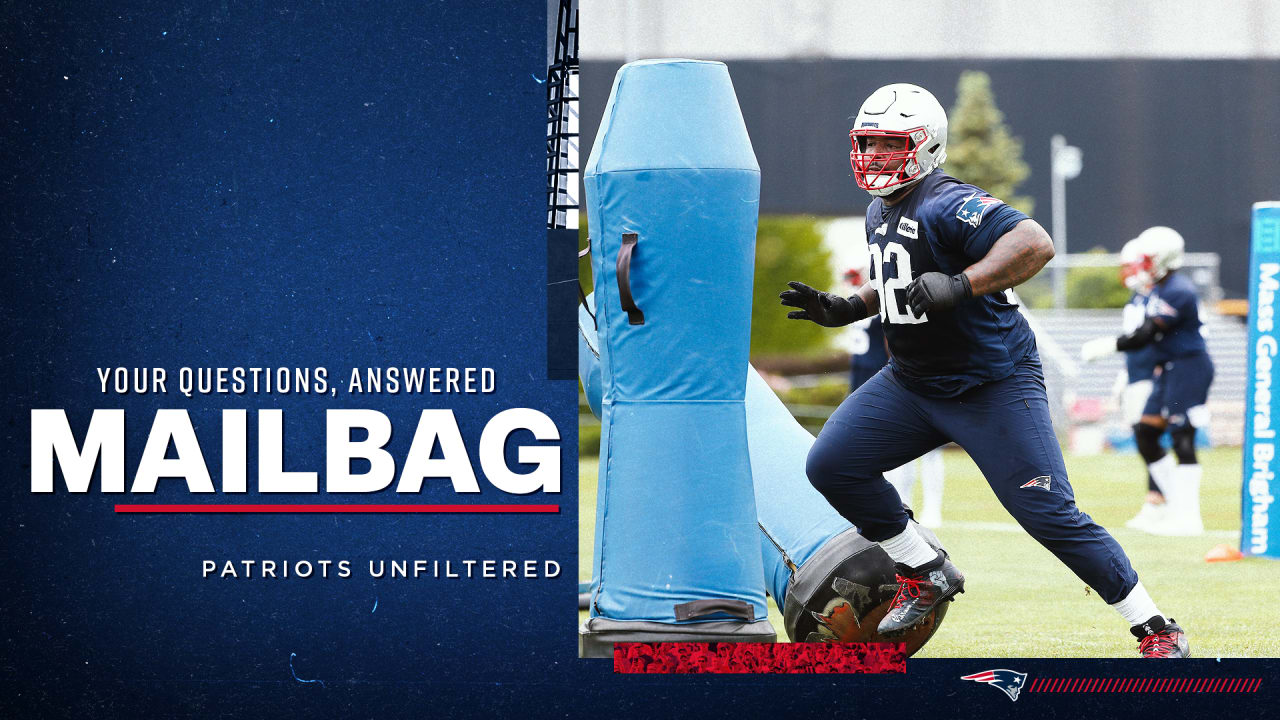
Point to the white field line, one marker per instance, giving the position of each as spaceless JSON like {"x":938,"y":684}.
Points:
{"x":1015,"y":528}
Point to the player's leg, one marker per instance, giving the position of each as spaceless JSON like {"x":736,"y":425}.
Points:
{"x":931,"y":481}
{"x":1150,"y":426}
{"x":878,"y":428}
{"x":1133,"y":399}
{"x":875,"y":429}
{"x":1187,"y":392}
{"x":1006,"y":429}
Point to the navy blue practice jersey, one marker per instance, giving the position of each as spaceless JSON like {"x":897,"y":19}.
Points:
{"x":944,"y":226}
{"x":868,"y":354}
{"x":1140,"y":364}
{"x":1174,"y":304}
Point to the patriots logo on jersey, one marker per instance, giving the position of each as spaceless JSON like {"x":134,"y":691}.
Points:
{"x":1009,"y":682}
{"x":1040,"y":482}
{"x":974,"y":207}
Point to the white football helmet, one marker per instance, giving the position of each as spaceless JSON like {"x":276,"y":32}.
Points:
{"x":1135,"y":271}
{"x":902,"y":111}
{"x":1163,"y":249}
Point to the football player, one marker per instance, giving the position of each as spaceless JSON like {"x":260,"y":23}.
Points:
{"x":1134,"y":383}
{"x":1173,"y":328}
{"x":963,"y":368}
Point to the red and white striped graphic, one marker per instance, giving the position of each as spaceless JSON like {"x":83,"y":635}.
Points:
{"x":1143,"y":685}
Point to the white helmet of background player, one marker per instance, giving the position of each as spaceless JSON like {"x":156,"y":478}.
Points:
{"x":1135,"y":271}
{"x":902,"y":111}
{"x":1163,"y":247}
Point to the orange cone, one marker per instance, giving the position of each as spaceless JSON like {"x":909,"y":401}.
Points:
{"x":1223,"y":553}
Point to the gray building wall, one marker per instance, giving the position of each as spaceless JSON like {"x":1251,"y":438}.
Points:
{"x":768,"y":29}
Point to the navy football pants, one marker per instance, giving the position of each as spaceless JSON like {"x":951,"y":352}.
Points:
{"x":1005,"y":428}
{"x":1181,"y":391}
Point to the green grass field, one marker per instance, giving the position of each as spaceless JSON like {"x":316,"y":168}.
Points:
{"x":1019,"y":601}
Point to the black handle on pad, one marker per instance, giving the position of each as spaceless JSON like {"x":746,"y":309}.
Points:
{"x":635,"y":316}
{"x":702,"y":608}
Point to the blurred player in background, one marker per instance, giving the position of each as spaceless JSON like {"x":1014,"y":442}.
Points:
{"x":869,"y":352}
{"x":963,"y":367}
{"x":1172,"y":327}
{"x":1139,"y":372}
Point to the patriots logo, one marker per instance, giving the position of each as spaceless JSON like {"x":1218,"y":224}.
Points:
{"x":974,"y":207}
{"x":1009,"y":682}
{"x":1040,"y":482}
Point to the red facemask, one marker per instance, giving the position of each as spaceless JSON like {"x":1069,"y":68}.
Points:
{"x":1136,"y":274}
{"x":868,"y":168}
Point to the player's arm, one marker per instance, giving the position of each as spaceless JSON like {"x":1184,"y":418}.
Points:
{"x":1142,"y":336}
{"x":827,"y":309}
{"x":870,"y":299}
{"x":1012,"y":260}
{"x":1167,"y":318}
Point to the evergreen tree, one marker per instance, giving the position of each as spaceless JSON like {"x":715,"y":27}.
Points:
{"x":980,"y":149}
{"x":788,"y":247}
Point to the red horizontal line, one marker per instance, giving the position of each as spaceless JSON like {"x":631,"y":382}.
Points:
{"x":352,"y":508}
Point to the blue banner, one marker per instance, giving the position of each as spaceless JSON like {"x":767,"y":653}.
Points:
{"x":1260,"y":528}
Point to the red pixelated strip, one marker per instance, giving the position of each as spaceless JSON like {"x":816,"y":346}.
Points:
{"x":690,"y":657}
{"x":1144,"y":685}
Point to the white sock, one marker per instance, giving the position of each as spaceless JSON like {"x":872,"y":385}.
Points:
{"x":931,"y":480}
{"x":908,"y":548}
{"x":1186,"y":483}
{"x":902,"y":479}
{"x":1162,"y":472}
{"x":1137,"y":607}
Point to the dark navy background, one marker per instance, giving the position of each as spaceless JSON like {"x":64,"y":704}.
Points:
{"x":310,"y":185}
{"x":273,"y":185}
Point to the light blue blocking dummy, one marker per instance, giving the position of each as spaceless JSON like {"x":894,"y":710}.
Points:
{"x":829,"y":581}
{"x":672,"y":189}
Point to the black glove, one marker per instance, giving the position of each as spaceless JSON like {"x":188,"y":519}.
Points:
{"x":937,"y":291}
{"x":823,"y":308}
